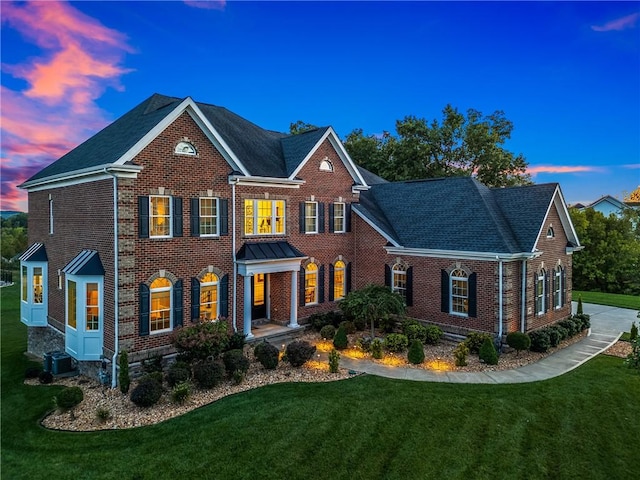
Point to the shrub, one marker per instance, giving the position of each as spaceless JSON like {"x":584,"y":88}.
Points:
{"x":238,"y":377}
{"x":562,"y":332}
{"x":488,"y":353}
{"x":633,"y":333}
{"x":388,"y":323}
{"x":364,"y":343}
{"x":349,"y":327}
{"x":319,"y":320}
{"x":268,"y":355}
{"x":633,"y":359}
{"x":328,"y":332}
{"x":32,"y":372}
{"x":181,"y":392}
{"x":570,"y":325}
{"x":376,"y":348}
{"x":178,"y":373}
{"x":45,"y":377}
{"x":153,"y":364}
{"x":396,"y":342}
{"x":586,"y":321}
{"x":298,"y":352}
{"x":540,"y":341}
{"x":334,"y":361}
{"x":68,"y":398}
{"x":416,"y":352}
{"x":103,"y":414}
{"x":208,"y":374}
{"x":236,"y":341}
{"x":147,"y":392}
{"x":235,"y":361}
{"x":433,"y":334}
{"x":200,"y":341}
{"x":414,"y":331}
{"x":475,"y":340}
{"x":519,"y":341}
{"x":460,"y":354}
{"x":123,"y":375}
{"x":579,"y":309}
{"x":555,"y":337}
{"x":340,"y":341}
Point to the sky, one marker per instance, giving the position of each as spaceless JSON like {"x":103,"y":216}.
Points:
{"x":567,"y":74}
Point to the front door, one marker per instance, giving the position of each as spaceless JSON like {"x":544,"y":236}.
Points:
{"x":259,"y":307}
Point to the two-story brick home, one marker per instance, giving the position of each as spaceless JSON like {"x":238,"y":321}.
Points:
{"x":182,"y":212}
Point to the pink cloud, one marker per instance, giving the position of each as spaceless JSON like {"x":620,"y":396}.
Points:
{"x":632,"y":166}
{"x":57,"y":109}
{"x":207,"y":4}
{"x":561,"y":169}
{"x":618,"y":24}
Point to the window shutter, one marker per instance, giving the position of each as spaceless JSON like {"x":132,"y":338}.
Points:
{"x":178,"y":304}
{"x":331,"y":280}
{"x":301,"y":288}
{"x":535,"y":294}
{"x":195,"y":219}
{"x":549,"y":293}
{"x":144,"y":299}
{"x":563,"y":285}
{"x":347,"y":217}
{"x":224,"y":216}
{"x":143,"y":217}
{"x":195,"y":299}
{"x":302,"y":218}
{"x":387,"y":276}
{"x":409,"y":290}
{"x":177,"y":216}
{"x":348,"y":278}
{"x":444,"y":291}
{"x":224,"y":296}
{"x":321,"y":284}
{"x":331,"y":218}
{"x":473,"y":299}
{"x":320,"y":217}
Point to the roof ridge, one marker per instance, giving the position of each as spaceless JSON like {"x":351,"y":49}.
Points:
{"x":497,"y":215}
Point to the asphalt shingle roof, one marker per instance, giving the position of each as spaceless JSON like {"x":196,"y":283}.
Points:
{"x":296,"y":147}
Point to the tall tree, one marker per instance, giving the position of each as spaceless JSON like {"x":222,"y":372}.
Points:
{"x":300,"y":127}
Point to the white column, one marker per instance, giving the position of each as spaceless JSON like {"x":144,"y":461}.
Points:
{"x":247,"y":306}
{"x":293,"y":322}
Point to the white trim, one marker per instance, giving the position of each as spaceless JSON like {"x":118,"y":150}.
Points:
{"x":216,"y":217}
{"x":354,"y":208}
{"x":307,"y":229}
{"x":265,"y":181}
{"x":486,"y":256}
{"x":92,"y":174}
{"x":251,"y":267}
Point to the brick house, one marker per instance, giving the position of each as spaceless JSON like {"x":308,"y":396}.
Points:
{"x":182,"y":212}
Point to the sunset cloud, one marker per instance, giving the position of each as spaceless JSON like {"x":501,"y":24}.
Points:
{"x":80,"y":58}
{"x":632,"y":166}
{"x":618,"y":24}
{"x":561,"y":169}
{"x":207,"y":4}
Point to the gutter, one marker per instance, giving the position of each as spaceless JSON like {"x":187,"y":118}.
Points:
{"x":116,"y":313}
{"x":523,"y":306}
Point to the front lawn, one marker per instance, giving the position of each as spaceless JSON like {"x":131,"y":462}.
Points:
{"x":611,"y":299}
{"x":581,"y":425}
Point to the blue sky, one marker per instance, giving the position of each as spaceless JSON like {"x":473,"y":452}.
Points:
{"x":566,"y":73}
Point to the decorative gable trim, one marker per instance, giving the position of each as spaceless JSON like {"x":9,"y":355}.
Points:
{"x":557,"y":200}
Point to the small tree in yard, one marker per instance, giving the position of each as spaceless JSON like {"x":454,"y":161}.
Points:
{"x":123,"y":376}
{"x":633,"y":333}
{"x":579,"y":309}
{"x":416,"y":352}
{"x":372,"y":303}
{"x":488,"y":353}
{"x":340,"y":340}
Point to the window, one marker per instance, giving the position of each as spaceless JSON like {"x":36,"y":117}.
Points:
{"x":92,"y":306}
{"x":209,"y":297}
{"x":399,"y":281}
{"x":72,"y":288}
{"x":311,"y":217}
{"x":540,"y":292}
{"x":160,"y":314}
{"x":37,"y":285}
{"x":311,"y":284}
{"x":208,"y":216}
{"x":338,"y":218}
{"x":550,"y":233}
{"x":326,"y":165}
{"x":185,"y":148}
{"x":34,"y":286}
{"x":160,"y":216}
{"x":264,"y":217}
{"x":50,"y":215}
{"x":558,"y":287}
{"x":25,"y":284}
{"x":339,"y":280}
{"x":459,"y":292}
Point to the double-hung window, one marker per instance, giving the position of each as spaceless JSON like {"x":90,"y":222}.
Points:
{"x":338,"y":217}
{"x":459,"y":292}
{"x":557,"y":287}
{"x":399,"y":281}
{"x":209,"y":216}
{"x":311,"y":217}
{"x":540,"y":292}
{"x":160,"y":313}
{"x":159,"y":216}
{"x":264,"y":217}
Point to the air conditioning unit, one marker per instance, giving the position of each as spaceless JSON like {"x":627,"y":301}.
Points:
{"x":61,"y":363}
{"x":47,"y":361}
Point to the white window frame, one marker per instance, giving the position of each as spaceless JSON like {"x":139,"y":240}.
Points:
{"x":50,"y":215}
{"x":557,"y":288}
{"x":168,"y":217}
{"x":340,"y":217}
{"x":308,"y":276}
{"x":34,"y":301}
{"x":399,"y":280}
{"x":215,"y":217}
{"x":540,"y":296}
{"x":82,"y":341}
{"x":311,"y":219}
{"x":458,"y":275}
{"x":273,"y":219}
{"x":216,"y":286}
{"x":158,"y":290}
{"x":339,"y":267}
{"x":185,"y":148}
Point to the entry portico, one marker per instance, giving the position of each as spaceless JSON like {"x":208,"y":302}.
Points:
{"x":263,"y":259}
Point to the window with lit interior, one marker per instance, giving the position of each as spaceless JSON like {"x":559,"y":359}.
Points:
{"x":459,"y":292}
{"x":339,"y":280}
{"x":159,"y":216}
{"x":311,"y":284}
{"x":160,"y":312}
{"x":264,"y":217}
{"x":399,"y":282}
{"x":557,"y":287}
{"x":209,"y":284}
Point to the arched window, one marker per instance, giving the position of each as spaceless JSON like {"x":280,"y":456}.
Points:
{"x":209,"y":284}
{"x":339,"y":280}
{"x":459,"y":292}
{"x":185,"y":148}
{"x":311,"y":284}
{"x":558,"y":287}
{"x":550,"y":233}
{"x":326,"y":165}
{"x":160,"y":312}
{"x":399,"y":281}
{"x":540,"y":292}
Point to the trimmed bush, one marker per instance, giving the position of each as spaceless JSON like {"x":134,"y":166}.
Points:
{"x":268,"y":355}
{"x":396,"y":342}
{"x":178,"y":373}
{"x":319,"y":320}
{"x":554,"y":335}
{"x":475,"y":340}
{"x":540,"y":341}
{"x":460,"y":354}
{"x":349,"y":327}
{"x":518,"y":341}
{"x":340,"y":340}
{"x":299,"y":351}
{"x":235,"y":361}
{"x":416,"y":352}
{"x":208,"y":374}
{"x":488,"y":353}
{"x":562,"y":332}
{"x":433,"y":334}
{"x":147,"y":392}
{"x":124,"y":380}
{"x":200,"y":341}
{"x":364,"y":343}
{"x":103,"y":414}
{"x":181,"y":392}
{"x":585,"y":319}
{"x":236,"y":341}
{"x":68,"y":398}
{"x":328,"y":332}
{"x":414,"y":331}
{"x":376,"y":348}
{"x":388,"y":323}
{"x":45,"y":377}
{"x":32,"y":372}
{"x":334,"y":361}
{"x":633,"y":333}
{"x":570,"y":325}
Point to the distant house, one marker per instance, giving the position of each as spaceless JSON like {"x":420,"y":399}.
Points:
{"x":608,"y":205}
{"x":182,"y":212}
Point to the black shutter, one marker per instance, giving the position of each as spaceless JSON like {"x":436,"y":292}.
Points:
{"x":473,"y":298}
{"x":178,"y":304}
{"x":195,"y":218}
{"x":347,"y":217}
{"x":320,"y":217}
{"x":331,"y":280}
{"x":535,"y":294}
{"x":302,"y":218}
{"x":224,"y":296}
{"x":387,"y":276}
{"x":563,"y":285}
{"x":409,"y":289}
{"x":224,"y":216}
{"x":143,"y":217}
{"x":195,"y":299}
{"x":348,"y":277}
{"x":301,"y":288}
{"x":444,"y":291}
{"x":331,"y":218}
{"x":177,"y":216}
{"x":321,"y":284}
{"x":144,"y":301}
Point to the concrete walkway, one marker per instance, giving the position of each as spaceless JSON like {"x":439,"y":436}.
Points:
{"x":607,"y":324}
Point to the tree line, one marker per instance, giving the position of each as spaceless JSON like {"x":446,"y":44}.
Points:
{"x":13,"y":236}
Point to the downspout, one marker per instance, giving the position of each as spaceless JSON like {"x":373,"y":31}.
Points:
{"x":116,"y":313}
{"x":499,"y":299}
{"x":233,"y":250}
{"x":524,"y":296}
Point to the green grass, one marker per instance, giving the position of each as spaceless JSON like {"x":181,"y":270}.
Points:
{"x":581,"y":425}
{"x":611,"y":299}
